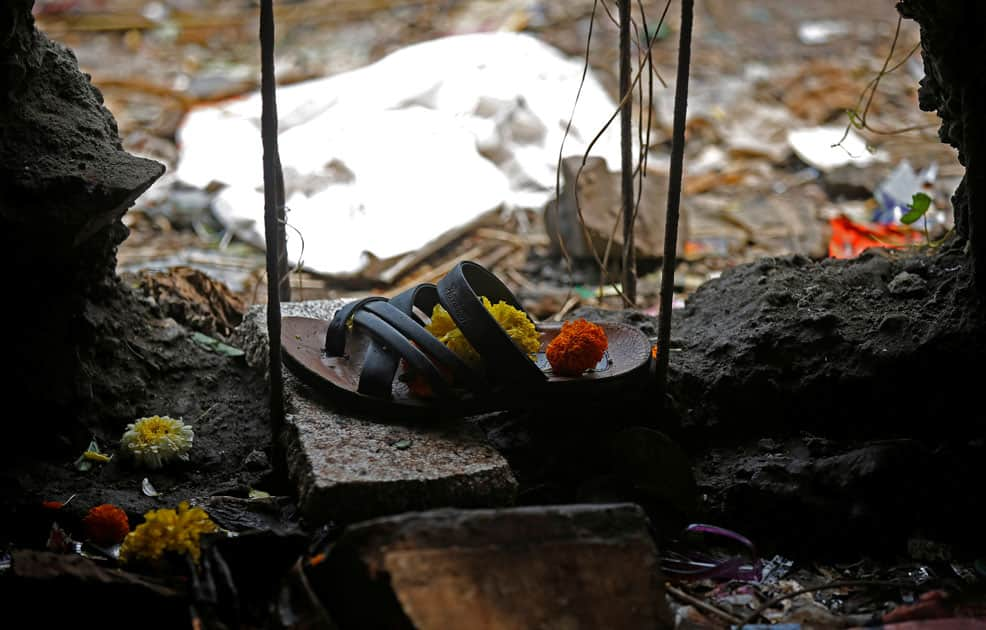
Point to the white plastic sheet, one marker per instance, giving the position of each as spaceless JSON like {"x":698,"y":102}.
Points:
{"x":388,"y":157}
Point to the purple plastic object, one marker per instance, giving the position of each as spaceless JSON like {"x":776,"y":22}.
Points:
{"x":695,"y":564}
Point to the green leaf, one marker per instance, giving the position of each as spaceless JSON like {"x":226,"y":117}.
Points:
{"x":920,"y":204}
{"x":214,"y":345}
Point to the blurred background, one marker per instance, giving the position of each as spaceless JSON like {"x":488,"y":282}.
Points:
{"x":463,"y":138}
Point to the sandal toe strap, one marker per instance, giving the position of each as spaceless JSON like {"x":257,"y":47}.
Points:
{"x":459,"y":293}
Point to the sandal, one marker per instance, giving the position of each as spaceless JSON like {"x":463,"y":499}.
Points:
{"x":376,"y":353}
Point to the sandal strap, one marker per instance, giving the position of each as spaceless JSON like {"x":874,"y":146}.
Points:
{"x":335,"y":336}
{"x":387,"y":346}
{"x":459,"y":292}
{"x":392,"y":326}
{"x":377,"y":383}
{"x":425,"y":297}
{"x":435,"y":349}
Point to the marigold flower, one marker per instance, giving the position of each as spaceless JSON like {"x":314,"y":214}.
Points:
{"x":578,"y":347}
{"x":157,"y":440}
{"x":106,"y":525}
{"x":168,"y":530}
{"x":517,"y":324}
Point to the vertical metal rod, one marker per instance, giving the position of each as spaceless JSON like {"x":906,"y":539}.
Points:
{"x":626,"y":165}
{"x":674,"y":193}
{"x":284,"y":274}
{"x":273,"y":206}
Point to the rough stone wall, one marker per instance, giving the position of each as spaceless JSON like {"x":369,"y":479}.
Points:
{"x":953,"y":46}
{"x":65,"y":182}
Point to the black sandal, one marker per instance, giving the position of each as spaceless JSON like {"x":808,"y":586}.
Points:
{"x":369,"y":351}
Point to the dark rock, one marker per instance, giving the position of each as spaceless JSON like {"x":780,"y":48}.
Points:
{"x":67,"y":585}
{"x":813,"y":497}
{"x":65,"y":181}
{"x":829,"y":348}
{"x":907,"y":284}
{"x":256,"y":460}
{"x":578,"y":566}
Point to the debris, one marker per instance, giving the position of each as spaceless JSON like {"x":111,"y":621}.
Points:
{"x":821,"y":31}
{"x":595,"y":203}
{"x":193,"y":299}
{"x":775,"y":569}
{"x":91,"y":455}
{"x":850,"y":238}
{"x":148,"y":489}
{"x":832,"y":146}
{"x":711,"y":552}
{"x":896,"y":196}
{"x":387,"y":138}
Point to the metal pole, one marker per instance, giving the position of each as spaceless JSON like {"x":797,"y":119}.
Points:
{"x":273,"y":207}
{"x":674,"y":193}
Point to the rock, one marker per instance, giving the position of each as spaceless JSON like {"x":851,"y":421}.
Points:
{"x":808,"y":495}
{"x":786,"y":345}
{"x":600,"y":200}
{"x":349,"y":467}
{"x":907,"y":284}
{"x":65,"y":182}
{"x":567,"y":566}
{"x":69,"y":584}
{"x":256,"y":460}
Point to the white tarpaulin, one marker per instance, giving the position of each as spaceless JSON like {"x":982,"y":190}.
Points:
{"x":388,"y":157}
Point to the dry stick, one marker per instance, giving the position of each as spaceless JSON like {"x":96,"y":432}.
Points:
{"x":626,"y":162}
{"x":273,"y":194}
{"x":561,"y":147}
{"x":578,"y":174}
{"x":702,"y":605}
{"x":824,"y":587}
{"x":674,"y":194}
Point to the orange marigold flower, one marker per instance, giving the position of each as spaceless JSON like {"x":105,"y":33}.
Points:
{"x":579,"y":346}
{"x":106,"y":525}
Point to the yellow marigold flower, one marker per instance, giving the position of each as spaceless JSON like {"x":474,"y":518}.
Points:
{"x":156,"y":440}
{"x":168,"y":530}
{"x":518,"y":326}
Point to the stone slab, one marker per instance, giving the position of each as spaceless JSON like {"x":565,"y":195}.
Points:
{"x":352,"y":467}
{"x":562,"y":566}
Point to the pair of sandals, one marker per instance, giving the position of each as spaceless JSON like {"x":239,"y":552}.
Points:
{"x":372,"y":346}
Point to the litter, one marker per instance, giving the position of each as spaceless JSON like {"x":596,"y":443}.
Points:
{"x":895,"y":193}
{"x":832,"y":146}
{"x":850,"y":238}
{"x":386,"y":158}
{"x":821,"y":31}
{"x":688,"y":560}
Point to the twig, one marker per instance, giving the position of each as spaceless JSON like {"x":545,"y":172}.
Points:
{"x":674,"y":194}
{"x":566,"y":308}
{"x":824,"y":587}
{"x":703,"y":606}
